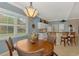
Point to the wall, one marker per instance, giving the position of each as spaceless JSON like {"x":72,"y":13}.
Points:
{"x":33,"y":21}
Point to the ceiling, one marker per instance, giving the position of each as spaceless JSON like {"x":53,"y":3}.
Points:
{"x":53,"y":11}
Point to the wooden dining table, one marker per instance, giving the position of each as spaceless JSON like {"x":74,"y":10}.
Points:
{"x":26,"y":46}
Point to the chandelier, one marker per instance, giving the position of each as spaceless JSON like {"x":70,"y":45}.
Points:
{"x":30,"y":11}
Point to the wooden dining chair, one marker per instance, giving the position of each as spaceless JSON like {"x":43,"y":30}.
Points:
{"x":34,"y":53}
{"x":64,"y":38}
{"x":10,"y":40}
{"x":71,"y":38}
{"x":10,"y":46}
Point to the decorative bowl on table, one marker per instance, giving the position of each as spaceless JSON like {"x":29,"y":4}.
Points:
{"x":34,"y":38}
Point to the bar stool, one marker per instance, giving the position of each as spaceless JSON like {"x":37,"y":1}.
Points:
{"x":64,"y":38}
{"x":71,"y":38}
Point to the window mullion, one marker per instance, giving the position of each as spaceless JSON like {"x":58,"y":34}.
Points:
{"x":15,"y":27}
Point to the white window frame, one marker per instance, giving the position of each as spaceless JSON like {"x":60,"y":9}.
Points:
{"x":7,"y":13}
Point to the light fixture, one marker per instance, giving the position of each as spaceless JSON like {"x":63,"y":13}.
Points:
{"x":30,"y":11}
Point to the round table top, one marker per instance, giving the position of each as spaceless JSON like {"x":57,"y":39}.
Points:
{"x":27,"y":46}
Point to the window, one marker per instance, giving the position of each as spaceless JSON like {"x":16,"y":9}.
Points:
{"x":20,"y":22}
{"x":61,"y":27}
{"x":21,"y":30}
{"x":10,"y":26}
{"x":10,"y":30}
{"x":41,"y":25}
{"x":3,"y":19}
{"x":3,"y":29}
{"x":58,"y":27}
{"x":55,"y":27}
{"x":10,"y":20}
{"x":49,"y":29}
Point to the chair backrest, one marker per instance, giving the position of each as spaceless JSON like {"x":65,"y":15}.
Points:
{"x":11,"y":42}
{"x":71,"y":34}
{"x":9,"y":47}
{"x":64,"y":34}
{"x":35,"y":53}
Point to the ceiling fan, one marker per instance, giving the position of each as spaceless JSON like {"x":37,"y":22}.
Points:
{"x":63,"y":20}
